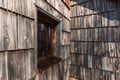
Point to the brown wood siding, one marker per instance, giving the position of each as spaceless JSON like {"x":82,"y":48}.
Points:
{"x":17,"y":65}
{"x":95,"y":40}
{"x":18,"y":40}
{"x":62,"y":40}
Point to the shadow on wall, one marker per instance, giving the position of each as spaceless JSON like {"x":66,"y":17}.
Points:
{"x":95,"y":37}
{"x":105,"y":8}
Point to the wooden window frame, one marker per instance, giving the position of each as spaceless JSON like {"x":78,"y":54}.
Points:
{"x":44,"y":62}
{"x":45,"y":39}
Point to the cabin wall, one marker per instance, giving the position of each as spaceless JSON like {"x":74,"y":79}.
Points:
{"x":95,"y":40}
{"x":58,"y":9}
{"x":18,"y":57}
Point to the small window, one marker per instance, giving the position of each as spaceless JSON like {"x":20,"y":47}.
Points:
{"x":45,"y":40}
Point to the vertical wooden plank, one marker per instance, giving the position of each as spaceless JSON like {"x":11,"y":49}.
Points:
{"x":30,"y":64}
{"x":102,"y":35}
{"x":96,"y":34}
{"x":116,"y":34}
{"x":26,"y":28}
{"x":10,"y":5}
{"x":3,"y":3}
{"x":1,"y":31}
{"x":81,"y":73}
{"x":10,"y":34}
{"x":22,"y":37}
{"x":16,"y":65}
{"x":3,"y":70}
{"x":110,"y":34}
{"x":12,"y":31}
{"x":29,"y":33}
{"x":90,"y":60}
{"x":5,"y":29}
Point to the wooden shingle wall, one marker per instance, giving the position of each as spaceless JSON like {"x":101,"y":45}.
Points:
{"x":95,"y":40}
{"x":17,"y":56}
{"x":62,"y":40}
{"x":55,"y":8}
{"x":17,"y":40}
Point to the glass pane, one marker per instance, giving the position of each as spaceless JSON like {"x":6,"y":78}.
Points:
{"x":43,"y":39}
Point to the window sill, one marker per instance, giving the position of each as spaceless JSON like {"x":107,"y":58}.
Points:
{"x":46,"y":62}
